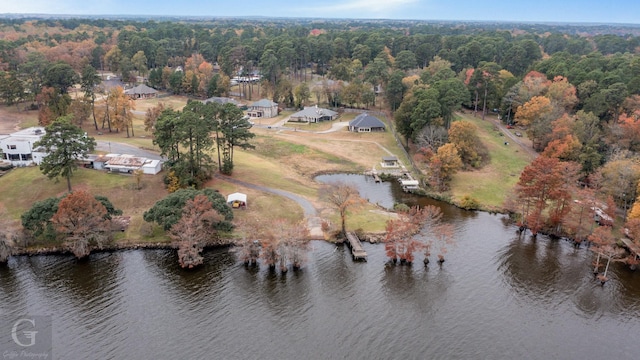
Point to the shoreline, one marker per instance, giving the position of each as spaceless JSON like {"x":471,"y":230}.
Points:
{"x":371,"y":238}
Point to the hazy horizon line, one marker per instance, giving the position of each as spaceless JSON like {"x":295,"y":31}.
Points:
{"x":544,"y":22}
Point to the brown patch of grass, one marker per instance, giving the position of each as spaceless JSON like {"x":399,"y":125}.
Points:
{"x":13,"y":118}
{"x":176,"y":102}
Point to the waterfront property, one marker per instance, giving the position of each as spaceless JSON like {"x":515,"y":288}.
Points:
{"x":366,"y":123}
{"x":18,"y":148}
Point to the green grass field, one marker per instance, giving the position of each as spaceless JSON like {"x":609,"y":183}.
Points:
{"x":23,"y":187}
{"x":490,"y":185}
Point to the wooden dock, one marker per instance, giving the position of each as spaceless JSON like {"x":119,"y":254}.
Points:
{"x":357,"y":251}
{"x":374,"y":174}
{"x":633,"y":248}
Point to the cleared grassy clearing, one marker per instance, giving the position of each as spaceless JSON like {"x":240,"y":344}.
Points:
{"x":490,"y":185}
{"x":24,"y":186}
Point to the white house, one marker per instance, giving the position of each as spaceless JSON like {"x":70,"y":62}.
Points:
{"x":18,"y":148}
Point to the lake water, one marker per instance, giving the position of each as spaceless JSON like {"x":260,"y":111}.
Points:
{"x":497,"y":296}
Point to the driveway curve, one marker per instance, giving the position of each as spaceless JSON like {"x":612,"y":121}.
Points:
{"x":307,"y":207}
{"x":120,"y":148}
{"x":314,"y":222}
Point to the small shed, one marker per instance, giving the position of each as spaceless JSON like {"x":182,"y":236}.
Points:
{"x":237,"y":200}
{"x":390,"y":162}
{"x":152,"y":167}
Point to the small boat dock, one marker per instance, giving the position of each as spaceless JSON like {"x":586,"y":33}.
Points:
{"x":633,"y":248}
{"x":357,"y":251}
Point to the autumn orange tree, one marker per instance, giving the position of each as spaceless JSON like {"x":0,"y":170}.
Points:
{"x":544,"y":189}
{"x":442,"y":238}
{"x":563,"y":144}
{"x":83,"y":221}
{"x":343,"y":197}
{"x":118,"y":111}
{"x":195,"y":228}
{"x":151,"y":117}
{"x":464,"y":135}
{"x":415,"y":230}
{"x":443,"y":165}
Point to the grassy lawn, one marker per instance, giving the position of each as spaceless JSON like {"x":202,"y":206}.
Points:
{"x":490,"y":185}
{"x":27,"y":186}
{"x":263,"y":206}
{"x":254,"y":169}
{"x":176,"y":102}
{"x":367,"y":218}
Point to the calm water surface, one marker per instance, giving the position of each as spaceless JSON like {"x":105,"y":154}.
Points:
{"x":497,"y":296}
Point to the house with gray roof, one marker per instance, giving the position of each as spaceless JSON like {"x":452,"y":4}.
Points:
{"x":366,"y":123}
{"x":263,"y":109}
{"x":313,"y":114}
{"x":141,"y":92}
{"x":221,"y":100}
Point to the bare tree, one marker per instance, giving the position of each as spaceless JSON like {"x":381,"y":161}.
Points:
{"x":343,"y":197}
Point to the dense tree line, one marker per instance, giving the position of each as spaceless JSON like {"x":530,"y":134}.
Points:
{"x":575,"y":91}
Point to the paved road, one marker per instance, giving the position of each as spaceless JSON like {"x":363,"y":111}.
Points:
{"x":120,"y":148}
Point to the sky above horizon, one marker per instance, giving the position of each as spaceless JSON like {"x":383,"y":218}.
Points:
{"x":581,"y":11}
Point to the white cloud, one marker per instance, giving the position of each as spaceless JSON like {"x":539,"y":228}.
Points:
{"x":363,"y":7}
{"x":55,"y":6}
